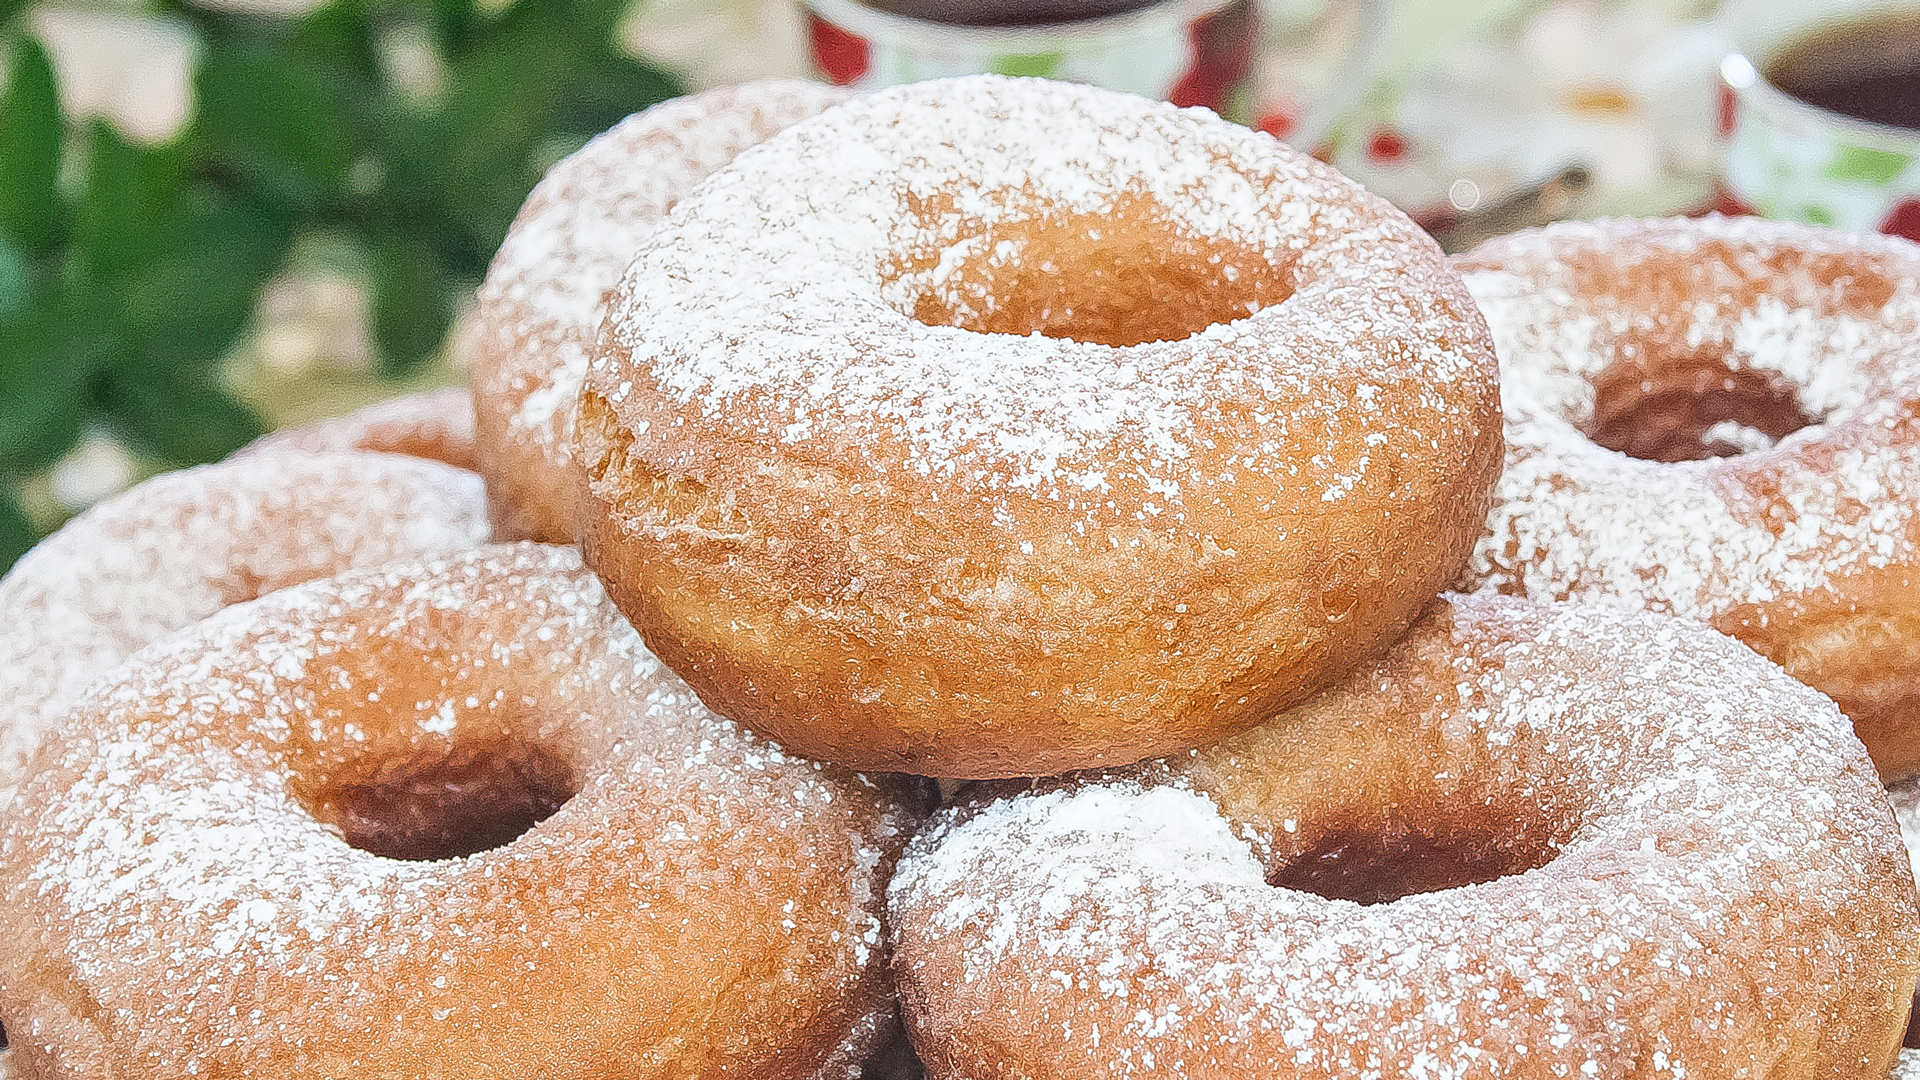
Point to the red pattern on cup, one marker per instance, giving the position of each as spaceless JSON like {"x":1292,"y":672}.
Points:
{"x":843,"y":57}
{"x":1726,"y":202}
{"x":1904,"y":220}
{"x":1220,"y":51}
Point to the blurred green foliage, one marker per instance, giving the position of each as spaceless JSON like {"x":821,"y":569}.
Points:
{"x":127,"y":272}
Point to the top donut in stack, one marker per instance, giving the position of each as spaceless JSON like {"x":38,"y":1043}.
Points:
{"x":997,"y":427}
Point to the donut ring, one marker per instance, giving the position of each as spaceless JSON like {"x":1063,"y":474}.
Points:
{"x":1584,"y":842}
{"x":1905,"y":798}
{"x":432,"y":424}
{"x":1808,"y":548}
{"x":247,"y":862}
{"x":173,"y":550}
{"x":862,"y":509}
{"x":546,"y":292}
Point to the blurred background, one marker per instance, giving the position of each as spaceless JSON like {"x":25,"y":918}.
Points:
{"x":218,"y":218}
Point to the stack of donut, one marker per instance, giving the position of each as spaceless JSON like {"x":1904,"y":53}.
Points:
{"x":1105,"y":453}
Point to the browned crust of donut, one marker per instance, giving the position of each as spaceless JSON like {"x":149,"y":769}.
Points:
{"x":1860,"y":645}
{"x":530,"y":495}
{"x":779,"y":628}
{"x":1858,"y":640}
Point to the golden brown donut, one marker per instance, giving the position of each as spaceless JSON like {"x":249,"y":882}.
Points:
{"x":432,"y":424}
{"x":889,"y":485}
{"x":1532,"y":842}
{"x":547,"y":289}
{"x":169,"y":552}
{"x":439,"y":821}
{"x":1720,"y":418}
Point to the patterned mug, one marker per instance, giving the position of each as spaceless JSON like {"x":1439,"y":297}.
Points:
{"x":1787,"y":158}
{"x":1189,"y":52}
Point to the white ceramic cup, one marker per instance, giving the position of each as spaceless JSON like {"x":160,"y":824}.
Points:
{"x":1788,"y":159}
{"x":1189,"y":52}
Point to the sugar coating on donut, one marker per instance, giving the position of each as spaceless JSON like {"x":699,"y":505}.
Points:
{"x":702,"y":900}
{"x":546,"y":290}
{"x":923,"y":421}
{"x":1832,"y":317}
{"x":1687,"y":849}
{"x":179,"y":547}
{"x":1795,"y":353}
{"x":1007,"y":154}
{"x":433,"y":424}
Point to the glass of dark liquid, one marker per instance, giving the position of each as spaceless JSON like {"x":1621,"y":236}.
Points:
{"x":1821,"y":111}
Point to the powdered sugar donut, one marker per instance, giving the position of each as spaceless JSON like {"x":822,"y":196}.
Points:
{"x":432,"y":424}
{"x":1627,"y":346}
{"x":1534,"y":841}
{"x":181,"y":546}
{"x":546,"y":291}
{"x":435,"y":821}
{"x":990,"y":427}
{"x":1905,"y":797}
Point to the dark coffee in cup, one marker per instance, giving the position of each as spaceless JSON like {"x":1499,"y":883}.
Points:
{"x":1008,"y":12}
{"x":1869,"y":70}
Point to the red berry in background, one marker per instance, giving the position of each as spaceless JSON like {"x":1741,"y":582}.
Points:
{"x":1386,"y":147}
{"x":843,"y":57}
{"x":1277,"y":124}
{"x":1729,"y":111}
{"x":1904,"y":220}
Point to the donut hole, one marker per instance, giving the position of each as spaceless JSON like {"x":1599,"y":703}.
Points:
{"x":1121,"y":278}
{"x":1690,"y":407}
{"x":446,"y":801}
{"x":1415,"y":849}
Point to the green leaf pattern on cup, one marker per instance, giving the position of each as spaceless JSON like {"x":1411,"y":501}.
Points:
{"x":1789,"y":161}
{"x":1034,"y":66}
{"x":1867,"y":164}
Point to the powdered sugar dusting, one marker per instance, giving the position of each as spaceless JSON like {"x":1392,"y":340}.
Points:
{"x":1701,"y":538}
{"x":166,"y":868}
{"x":181,"y":546}
{"x":1151,"y":836}
{"x":547,"y":288}
{"x":777,"y":306}
{"x":435,"y":424}
{"x":1715,"y":827}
